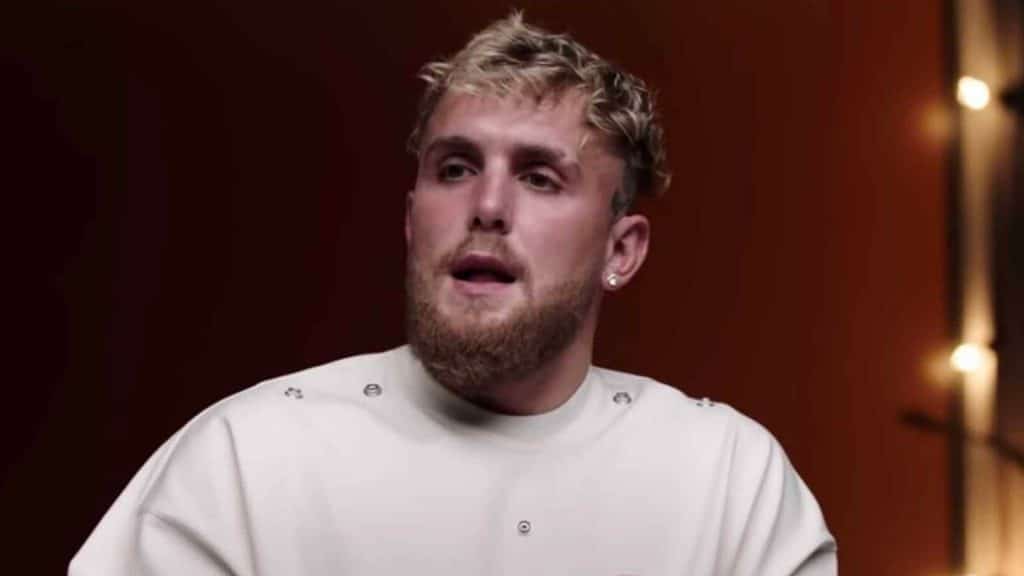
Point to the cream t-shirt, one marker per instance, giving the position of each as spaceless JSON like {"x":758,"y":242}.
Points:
{"x":367,"y":466}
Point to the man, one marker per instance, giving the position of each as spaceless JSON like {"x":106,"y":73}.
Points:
{"x":489,"y":445}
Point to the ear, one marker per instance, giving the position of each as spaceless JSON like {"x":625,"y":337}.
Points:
{"x":408,"y":218}
{"x":626,"y":250}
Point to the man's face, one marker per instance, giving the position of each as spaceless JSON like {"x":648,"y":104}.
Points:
{"x":508,"y":225}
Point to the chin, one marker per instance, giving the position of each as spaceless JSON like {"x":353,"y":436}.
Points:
{"x":478,"y":314}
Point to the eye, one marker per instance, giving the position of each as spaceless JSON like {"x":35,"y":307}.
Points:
{"x":453,"y":172}
{"x":538,"y":180}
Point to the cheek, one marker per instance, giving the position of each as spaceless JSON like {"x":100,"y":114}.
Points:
{"x":429,"y":222}
{"x":568,"y":249}
{"x":432,"y":228}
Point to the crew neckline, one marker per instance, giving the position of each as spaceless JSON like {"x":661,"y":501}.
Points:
{"x":564,"y":423}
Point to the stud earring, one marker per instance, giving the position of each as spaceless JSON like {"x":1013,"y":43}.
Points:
{"x":613,"y":280}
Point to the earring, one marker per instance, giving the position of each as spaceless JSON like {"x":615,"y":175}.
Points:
{"x":613,"y":280}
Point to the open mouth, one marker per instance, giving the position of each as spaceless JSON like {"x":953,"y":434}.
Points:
{"x":483,"y":269}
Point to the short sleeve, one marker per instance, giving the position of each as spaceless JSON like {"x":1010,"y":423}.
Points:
{"x":780,"y":530}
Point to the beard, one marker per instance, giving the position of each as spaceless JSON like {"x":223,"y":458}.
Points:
{"x":472,"y":355}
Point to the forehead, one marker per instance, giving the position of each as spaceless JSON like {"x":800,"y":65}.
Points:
{"x":557,"y":121}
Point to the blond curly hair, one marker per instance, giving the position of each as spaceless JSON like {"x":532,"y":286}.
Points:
{"x":512,"y":57}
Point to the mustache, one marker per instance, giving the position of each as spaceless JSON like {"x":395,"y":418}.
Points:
{"x":489,"y":244}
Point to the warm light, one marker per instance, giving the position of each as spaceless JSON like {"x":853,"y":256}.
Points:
{"x":967,"y":358}
{"x":972,"y":93}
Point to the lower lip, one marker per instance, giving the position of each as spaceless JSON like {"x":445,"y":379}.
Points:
{"x":481,"y":288}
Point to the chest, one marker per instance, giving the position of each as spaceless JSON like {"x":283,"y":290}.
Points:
{"x":376,"y":500}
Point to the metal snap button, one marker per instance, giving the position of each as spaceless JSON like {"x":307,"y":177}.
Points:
{"x":372,"y":390}
{"x":622,"y":398}
{"x":524,"y":527}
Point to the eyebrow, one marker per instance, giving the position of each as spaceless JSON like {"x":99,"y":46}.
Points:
{"x":535,"y":154}
{"x":452,"y":144}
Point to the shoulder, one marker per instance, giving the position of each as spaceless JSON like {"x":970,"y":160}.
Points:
{"x":335,"y":378}
{"x":332,"y":381}
{"x":770,"y":522}
{"x":712,"y":424}
{"x":258,"y":419}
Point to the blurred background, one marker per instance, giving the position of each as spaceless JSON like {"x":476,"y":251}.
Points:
{"x":204,"y":195}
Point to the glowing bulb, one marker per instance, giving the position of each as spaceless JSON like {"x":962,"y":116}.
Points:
{"x":967,"y":358}
{"x":972,"y":93}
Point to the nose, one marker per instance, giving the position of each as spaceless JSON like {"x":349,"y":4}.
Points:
{"x":493,"y":204}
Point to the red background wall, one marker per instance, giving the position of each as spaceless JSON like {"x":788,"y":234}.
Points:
{"x":204,"y":196}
